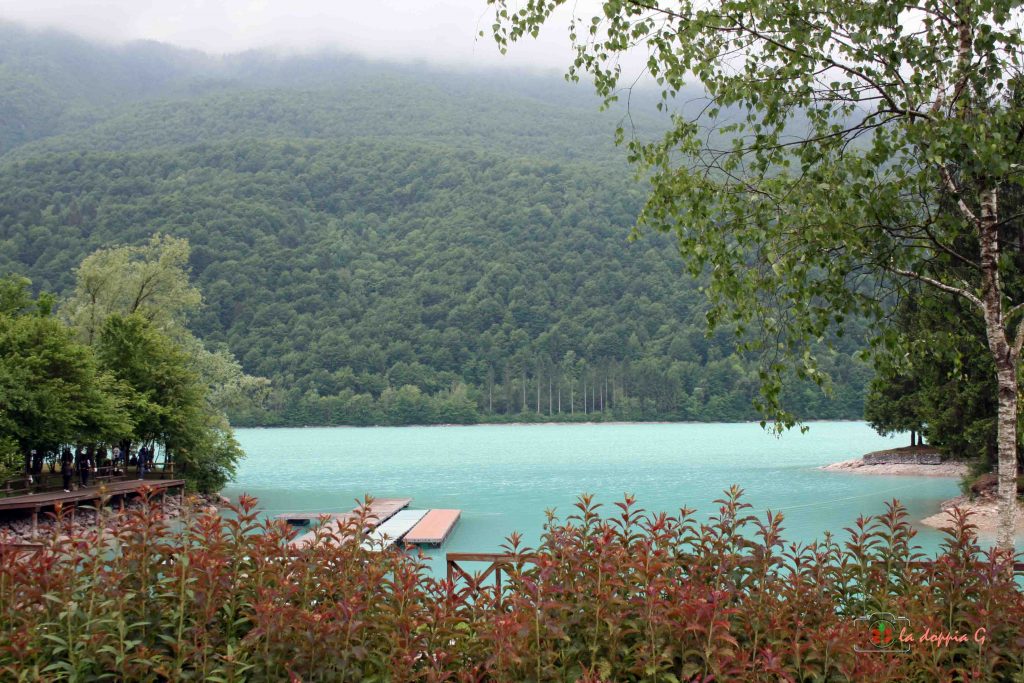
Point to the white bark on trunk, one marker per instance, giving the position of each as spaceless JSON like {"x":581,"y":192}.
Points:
{"x":1005,"y":356}
{"x":1007,"y":449}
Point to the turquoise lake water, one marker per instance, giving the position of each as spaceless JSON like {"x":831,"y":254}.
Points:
{"x":503,"y":477}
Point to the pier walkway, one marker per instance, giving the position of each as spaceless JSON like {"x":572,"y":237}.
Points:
{"x":392,"y":531}
{"x":380,"y":511}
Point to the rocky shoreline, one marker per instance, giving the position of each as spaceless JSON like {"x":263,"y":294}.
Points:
{"x":984,"y":514}
{"x":20,"y":530}
{"x":920,"y":462}
{"x":860,"y":466}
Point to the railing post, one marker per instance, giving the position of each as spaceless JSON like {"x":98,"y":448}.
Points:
{"x":497,"y":586}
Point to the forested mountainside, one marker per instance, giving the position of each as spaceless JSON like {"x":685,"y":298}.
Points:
{"x":386,"y":244}
{"x":66,"y":94}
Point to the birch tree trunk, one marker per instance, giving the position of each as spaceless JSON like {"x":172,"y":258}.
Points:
{"x":1006,"y":440}
{"x":1005,"y":356}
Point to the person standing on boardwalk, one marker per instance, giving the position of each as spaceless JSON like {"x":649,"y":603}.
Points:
{"x":143,"y":455}
{"x":86,"y":466}
{"x":66,"y":469}
{"x":99,"y":461}
{"x":28,"y":469}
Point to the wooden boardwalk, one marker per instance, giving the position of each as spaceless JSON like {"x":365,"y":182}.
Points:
{"x":34,"y":503}
{"x":30,"y":502}
{"x":434,"y":528}
{"x":380,"y":510}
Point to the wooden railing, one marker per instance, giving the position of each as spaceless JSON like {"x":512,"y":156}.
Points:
{"x":16,"y":485}
{"x":495,"y":563}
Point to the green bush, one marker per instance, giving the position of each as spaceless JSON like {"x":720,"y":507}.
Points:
{"x":628,"y":596}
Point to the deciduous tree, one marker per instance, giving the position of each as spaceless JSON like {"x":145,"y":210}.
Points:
{"x":168,"y":400}
{"x":52,"y":390}
{"x":150,"y":280}
{"x":812,"y":182}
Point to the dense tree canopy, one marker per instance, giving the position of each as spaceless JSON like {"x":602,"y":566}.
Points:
{"x":341,"y":270}
{"x":52,"y":389}
{"x":358,"y":227}
{"x":937,"y":379}
{"x":167,"y":399}
{"x":150,"y":281}
{"x":937,"y":375}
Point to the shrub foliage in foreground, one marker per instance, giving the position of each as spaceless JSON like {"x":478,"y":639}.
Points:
{"x":624,"y":597}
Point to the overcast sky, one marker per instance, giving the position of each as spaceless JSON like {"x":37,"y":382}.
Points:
{"x":438,"y":31}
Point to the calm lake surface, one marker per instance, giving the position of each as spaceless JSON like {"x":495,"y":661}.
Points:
{"x":503,"y":477}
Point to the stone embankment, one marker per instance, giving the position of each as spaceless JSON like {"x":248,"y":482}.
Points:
{"x":20,"y":530}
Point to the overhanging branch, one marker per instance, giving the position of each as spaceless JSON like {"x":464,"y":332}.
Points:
{"x":959,"y":291}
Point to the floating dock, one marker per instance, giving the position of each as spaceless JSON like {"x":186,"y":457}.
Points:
{"x":379,"y":512}
{"x":392,"y":531}
{"x":304,"y":518}
{"x":434,"y":528}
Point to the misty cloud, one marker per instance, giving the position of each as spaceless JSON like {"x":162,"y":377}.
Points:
{"x":443,"y":32}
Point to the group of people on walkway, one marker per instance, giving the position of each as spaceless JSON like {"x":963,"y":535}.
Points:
{"x":91,"y":461}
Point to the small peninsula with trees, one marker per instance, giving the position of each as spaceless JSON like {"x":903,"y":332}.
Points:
{"x":115,"y":366}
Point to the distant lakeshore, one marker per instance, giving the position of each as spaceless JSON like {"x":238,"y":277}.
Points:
{"x":539,"y":423}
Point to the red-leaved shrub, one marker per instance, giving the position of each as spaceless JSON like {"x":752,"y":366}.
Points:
{"x":627,"y":597}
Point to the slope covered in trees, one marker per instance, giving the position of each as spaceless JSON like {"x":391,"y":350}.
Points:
{"x":64,"y":94}
{"x":393,"y":245}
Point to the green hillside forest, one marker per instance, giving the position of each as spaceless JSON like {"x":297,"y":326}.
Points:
{"x":386,"y":244}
